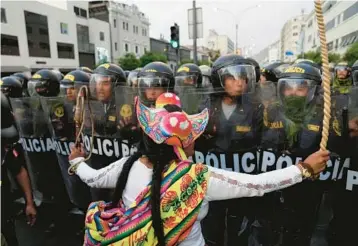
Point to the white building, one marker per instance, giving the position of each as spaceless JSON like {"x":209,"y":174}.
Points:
{"x":38,"y":35}
{"x":341,"y":18}
{"x":220,"y":42}
{"x":290,"y":35}
{"x":274,"y":51}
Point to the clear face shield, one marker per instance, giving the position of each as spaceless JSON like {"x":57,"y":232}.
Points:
{"x":186,"y":80}
{"x":35,"y":87}
{"x":296,"y":93}
{"x":101,"y":87}
{"x":355,"y":77}
{"x":132,"y":79}
{"x":68,"y":91}
{"x":150,"y":88}
{"x":342,"y":72}
{"x":238,"y":79}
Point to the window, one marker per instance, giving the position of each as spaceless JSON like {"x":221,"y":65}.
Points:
{"x":294,"y":27}
{"x":337,"y":42}
{"x":330,"y":46}
{"x":114,"y":23}
{"x":65,"y":51}
{"x":349,"y":12}
{"x":124,"y":25}
{"x":329,"y":25}
{"x":76,"y":10}
{"x":127,"y":26}
{"x":64,"y":28}
{"x":83,"y":13}
{"x":133,"y":29}
{"x":295,"y":34}
{"x":136,"y":30}
{"x":145,"y":49}
{"x":338,"y":20}
{"x":101,"y":36}
{"x":136,"y":49}
{"x":37,"y":35}
{"x":115,"y":46}
{"x":126,"y":47}
{"x":3,"y":16}
{"x":9,"y":45}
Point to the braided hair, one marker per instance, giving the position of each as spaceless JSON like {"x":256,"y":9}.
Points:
{"x":160,"y":155}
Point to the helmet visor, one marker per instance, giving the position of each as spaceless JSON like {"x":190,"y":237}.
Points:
{"x":101,"y":87}
{"x":355,"y":77}
{"x":132,"y":79}
{"x":150,"y":88}
{"x":69,"y":91}
{"x":35,"y":88}
{"x":296,"y":88}
{"x":186,"y":80}
{"x":237,"y":79}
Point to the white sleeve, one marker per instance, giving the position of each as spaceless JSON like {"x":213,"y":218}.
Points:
{"x":102,"y":178}
{"x":224,"y":184}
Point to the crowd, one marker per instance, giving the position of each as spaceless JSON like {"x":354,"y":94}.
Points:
{"x":221,"y":155}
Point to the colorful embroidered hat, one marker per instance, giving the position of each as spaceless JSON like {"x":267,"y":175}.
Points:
{"x":173,"y":128}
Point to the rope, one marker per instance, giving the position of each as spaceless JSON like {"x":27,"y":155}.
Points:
{"x":80,"y":117}
{"x":326,"y":74}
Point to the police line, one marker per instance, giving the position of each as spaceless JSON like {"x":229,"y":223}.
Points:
{"x":249,"y":162}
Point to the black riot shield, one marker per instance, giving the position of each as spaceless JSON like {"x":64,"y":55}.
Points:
{"x":37,"y":143}
{"x":60,"y":113}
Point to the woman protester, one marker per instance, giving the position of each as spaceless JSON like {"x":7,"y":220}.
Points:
{"x":160,"y":195}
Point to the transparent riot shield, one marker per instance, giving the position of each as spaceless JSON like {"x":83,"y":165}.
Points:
{"x":192,"y":98}
{"x":105,"y":144}
{"x":37,"y":143}
{"x":60,"y":113}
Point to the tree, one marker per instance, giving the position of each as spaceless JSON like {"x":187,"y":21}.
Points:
{"x":334,"y":57}
{"x":129,"y":62}
{"x":214,"y":54}
{"x":149,"y":57}
{"x":351,"y":54}
{"x":315,"y":56}
{"x":204,"y":63}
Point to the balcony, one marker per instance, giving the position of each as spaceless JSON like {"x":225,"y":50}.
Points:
{"x":86,"y":48}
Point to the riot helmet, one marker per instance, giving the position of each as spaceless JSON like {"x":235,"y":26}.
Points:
{"x":297,"y":88}
{"x":189,"y":74}
{"x":234,"y":75}
{"x":257,"y":67}
{"x":355,"y":73}
{"x":206,"y":72}
{"x":71,"y":82}
{"x":9,"y":133}
{"x":272,"y":71}
{"x":104,"y":80}
{"x":310,"y":62}
{"x":11,"y":86}
{"x":86,"y":70}
{"x":44,"y":83}
{"x":342,"y":71}
{"x":154,"y":79}
{"x":132,"y":79}
{"x":24,"y":79}
{"x":58,"y":74}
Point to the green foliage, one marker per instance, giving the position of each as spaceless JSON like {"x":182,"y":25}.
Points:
{"x":100,"y":62}
{"x":149,"y":57}
{"x":351,"y":54}
{"x":204,"y":63}
{"x":214,"y":54}
{"x":129,"y":62}
{"x":315,"y":56}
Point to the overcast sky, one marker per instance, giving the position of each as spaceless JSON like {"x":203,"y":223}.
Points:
{"x":262,"y":25}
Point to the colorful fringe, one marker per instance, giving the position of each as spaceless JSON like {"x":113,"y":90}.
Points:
{"x":182,"y":192}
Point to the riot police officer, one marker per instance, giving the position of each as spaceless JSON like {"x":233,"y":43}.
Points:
{"x":292,"y":126}
{"x":206,"y":72}
{"x":272,"y":71}
{"x":342,"y":81}
{"x":11,"y":86}
{"x":44,"y":83}
{"x":104,"y":80}
{"x":154,"y":79}
{"x":233,"y":127}
{"x":127,"y":73}
{"x":58,"y":73}
{"x":132,"y":79}
{"x":355,"y":73}
{"x":24,"y":79}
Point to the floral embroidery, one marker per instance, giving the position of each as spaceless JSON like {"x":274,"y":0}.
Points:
{"x":169,"y":222}
{"x":169,"y":200}
{"x":182,"y":213}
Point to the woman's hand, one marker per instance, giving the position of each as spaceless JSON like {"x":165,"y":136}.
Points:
{"x":317,"y":161}
{"x":76,"y":152}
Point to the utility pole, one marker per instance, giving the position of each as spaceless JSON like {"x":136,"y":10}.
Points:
{"x":237,"y":34}
{"x":194,"y":33}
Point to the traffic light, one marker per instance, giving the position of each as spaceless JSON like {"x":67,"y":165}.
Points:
{"x":174,"y":36}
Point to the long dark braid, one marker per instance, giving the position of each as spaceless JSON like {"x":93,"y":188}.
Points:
{"x":160,"y":155}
